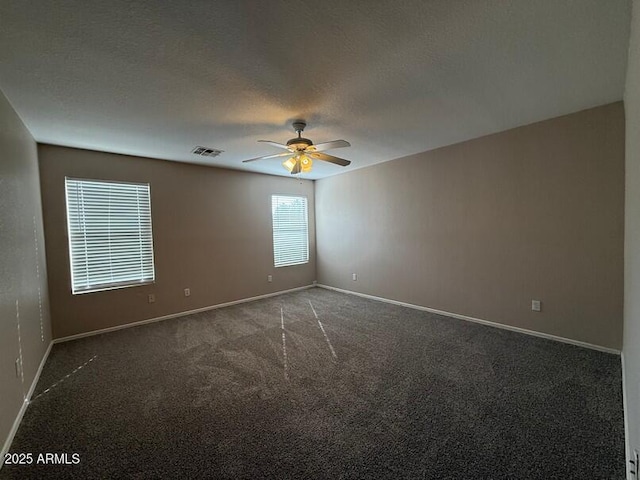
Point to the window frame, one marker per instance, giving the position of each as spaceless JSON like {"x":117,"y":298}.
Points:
{"x":306,"y":224}
{"x":102,"y":287}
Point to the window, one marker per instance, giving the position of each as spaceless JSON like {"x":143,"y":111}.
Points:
{"x":110,"y":242}
{"x":290,"y":230}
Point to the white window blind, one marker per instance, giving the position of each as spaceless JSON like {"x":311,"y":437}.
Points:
{"x":110,"y":241}
{"x":290,"y":230}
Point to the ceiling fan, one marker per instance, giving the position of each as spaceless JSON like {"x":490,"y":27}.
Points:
{"x":301,"y":151}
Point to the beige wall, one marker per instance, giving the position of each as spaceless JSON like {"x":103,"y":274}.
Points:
{"x":483,"y":227}
{"x":631,"y":349}
{"x":24,"y":313}
{"x":211,"y":230}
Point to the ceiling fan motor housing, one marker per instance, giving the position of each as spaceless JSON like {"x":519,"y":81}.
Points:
{"x":299,"y":143}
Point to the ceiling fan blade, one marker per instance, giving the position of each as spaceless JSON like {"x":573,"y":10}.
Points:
{"x":321,"y":147}
{"x":275,"y":144}
{"x":276,"y":155}
{"x":329,"y":158}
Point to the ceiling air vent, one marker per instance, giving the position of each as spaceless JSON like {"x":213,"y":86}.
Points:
{"x":206,"y":152}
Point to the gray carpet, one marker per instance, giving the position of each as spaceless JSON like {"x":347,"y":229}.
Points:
{"x":408,"y":394}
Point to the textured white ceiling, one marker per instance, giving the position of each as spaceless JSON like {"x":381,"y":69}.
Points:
{"x":392,"y":77}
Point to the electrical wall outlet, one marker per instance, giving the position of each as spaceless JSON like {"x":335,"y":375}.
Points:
{"x":535,"y":305}
{"x":187,"y":292}
{"x":152,"y":297}
{"x":354,"y":276}
{"x":269,"y":278}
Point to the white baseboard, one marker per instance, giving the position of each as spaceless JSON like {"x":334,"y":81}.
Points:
{"x":479,"y":320}
{"x":38,"y":372}
{"x":175,"y":315}
{"x":13,"y":431}
{"x":627,"y":452}
{"x":23,"y":408}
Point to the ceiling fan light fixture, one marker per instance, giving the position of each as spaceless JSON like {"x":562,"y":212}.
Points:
{"x":305,"y":163}
{"x":289,"y":164}
{"x":301,"y":161}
